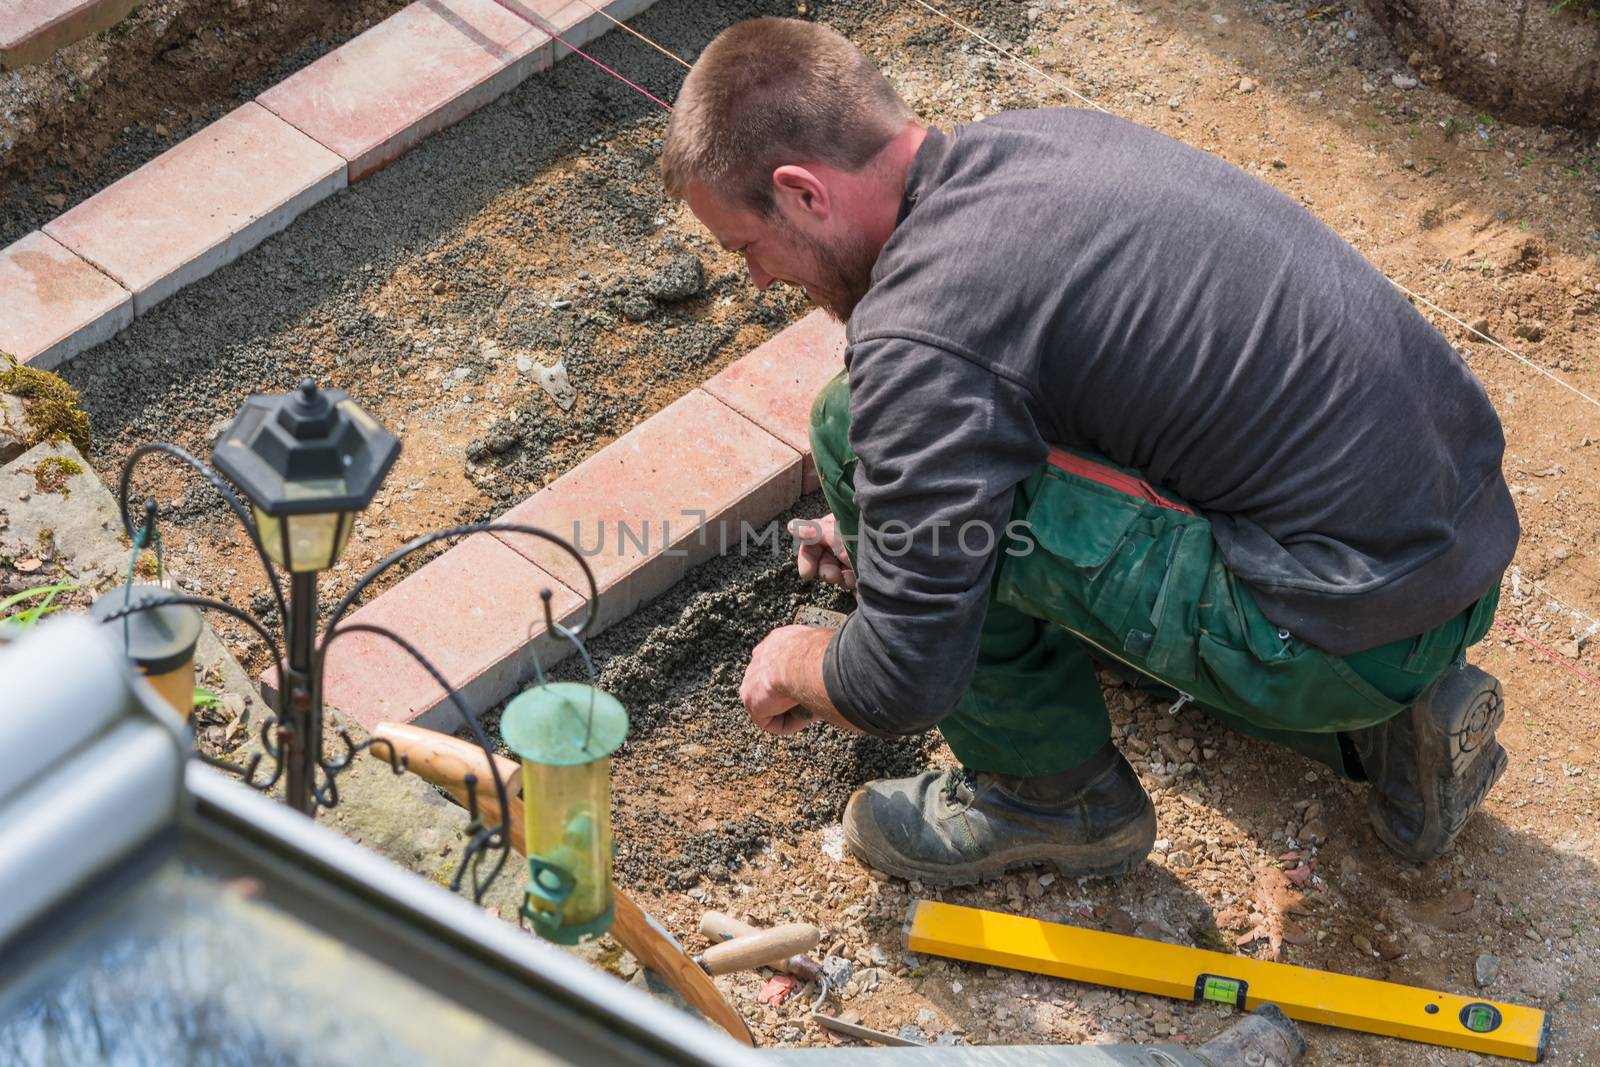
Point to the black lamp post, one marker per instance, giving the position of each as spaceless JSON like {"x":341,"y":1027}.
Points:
{"x":307,"y":461}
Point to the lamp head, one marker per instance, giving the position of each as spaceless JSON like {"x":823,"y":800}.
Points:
{"x":307,"y":460}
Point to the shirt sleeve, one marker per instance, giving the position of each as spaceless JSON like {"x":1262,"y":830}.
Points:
{"x":942,"y":443}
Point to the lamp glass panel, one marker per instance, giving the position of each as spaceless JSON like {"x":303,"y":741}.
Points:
{"x":316,"y":541}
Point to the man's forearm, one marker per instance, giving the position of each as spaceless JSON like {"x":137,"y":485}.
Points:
{"x":804,"y":679}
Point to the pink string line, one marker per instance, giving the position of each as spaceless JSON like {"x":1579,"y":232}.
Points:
{"x":1559,"y":660}
{"x":547,"y":28}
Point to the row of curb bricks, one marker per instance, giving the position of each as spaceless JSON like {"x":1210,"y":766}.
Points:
{"x":695,"y":480}
{"x":89,"y":272}
{"x":686,"y":484}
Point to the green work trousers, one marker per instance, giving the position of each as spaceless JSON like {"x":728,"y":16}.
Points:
{"x":1111,"y":567}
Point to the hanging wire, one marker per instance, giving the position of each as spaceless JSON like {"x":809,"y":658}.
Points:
{"x":1525,"y":361}
{"x":1046,"y":75}
{"x":552,"y":626}
{"x":519,"y":10}
{"x":623,"y":25}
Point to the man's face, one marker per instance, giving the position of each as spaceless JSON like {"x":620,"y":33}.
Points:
{"x":834,"y":271}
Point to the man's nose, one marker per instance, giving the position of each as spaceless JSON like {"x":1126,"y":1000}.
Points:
{"x":759,"y":277}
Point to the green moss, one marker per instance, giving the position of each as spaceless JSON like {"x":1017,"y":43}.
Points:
{"x":1579,"y":7}
{"x":51,"y":475}
{"x":52,"y":405}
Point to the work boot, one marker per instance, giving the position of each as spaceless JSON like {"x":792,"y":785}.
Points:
{"x":1432,"y":765}
{"x":958,"y":827}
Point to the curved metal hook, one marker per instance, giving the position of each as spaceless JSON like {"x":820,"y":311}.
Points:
{"x":329,"y":797}
{"x":229,"y":497}
{"x":498,"y":837}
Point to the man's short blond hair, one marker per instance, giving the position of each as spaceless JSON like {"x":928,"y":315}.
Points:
{"x":770,"y":92}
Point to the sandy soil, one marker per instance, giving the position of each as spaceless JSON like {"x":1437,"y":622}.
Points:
{"x":1499,"y":224}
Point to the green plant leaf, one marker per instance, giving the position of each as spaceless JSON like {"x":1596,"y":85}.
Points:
{"x":29,"y":616}
{"x":205,"y":698}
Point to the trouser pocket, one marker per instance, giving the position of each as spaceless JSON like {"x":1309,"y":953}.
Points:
{"x":1105,"y":556}
{"x":1274,"y":680}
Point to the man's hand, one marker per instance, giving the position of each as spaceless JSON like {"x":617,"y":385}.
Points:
{"x":822,"y":552}
{"x":783,"y":690}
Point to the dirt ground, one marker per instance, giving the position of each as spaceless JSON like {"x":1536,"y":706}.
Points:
{"x":101,"y":107}
{"x":421,"y":289}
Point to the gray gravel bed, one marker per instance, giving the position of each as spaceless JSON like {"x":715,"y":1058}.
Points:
{"x":676,"y":665}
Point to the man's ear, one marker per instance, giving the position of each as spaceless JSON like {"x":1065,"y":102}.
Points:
{"x":802,"y":192}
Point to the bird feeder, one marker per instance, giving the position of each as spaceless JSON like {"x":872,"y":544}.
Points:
{"x":564,"y":733}
{"x":307,"y":461}
{"x":160,"y":640}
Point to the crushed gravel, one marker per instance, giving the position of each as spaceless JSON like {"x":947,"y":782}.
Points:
{"x":676,"y":665}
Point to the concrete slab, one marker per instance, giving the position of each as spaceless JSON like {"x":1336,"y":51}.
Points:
{"x":31,"y":30}
{"x":53,"y":304}
{"x":668,"y":495}
{"x":775,"y":384}
{"x":420,"y":70}
{"x":201,"y":204}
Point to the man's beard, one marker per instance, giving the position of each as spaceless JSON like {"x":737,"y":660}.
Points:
{"x":844,"y":273}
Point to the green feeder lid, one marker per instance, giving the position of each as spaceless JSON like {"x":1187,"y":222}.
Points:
{"x":159,"y":640}
{"x":551,"y":724}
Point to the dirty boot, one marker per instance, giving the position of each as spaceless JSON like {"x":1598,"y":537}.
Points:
{"x":1432,"y":765}
{"x":958,"y":827}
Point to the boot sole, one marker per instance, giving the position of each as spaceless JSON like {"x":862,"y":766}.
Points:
{"x":1458,"y":757}
{"x":1110,"y":857}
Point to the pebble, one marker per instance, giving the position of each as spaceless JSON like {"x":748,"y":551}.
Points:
{"x":682,"y":278}
{"x":1404,"y":81}
{"x":1485,"y":969}
{"x":1247,"y":85}
{"x":1364,"y":944}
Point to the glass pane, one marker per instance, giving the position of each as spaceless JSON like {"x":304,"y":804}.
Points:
{"x":311,"y":539}
{"x":191,"y":969}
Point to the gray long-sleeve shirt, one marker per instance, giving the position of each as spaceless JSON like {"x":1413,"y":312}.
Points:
{"x":1065,"y":277}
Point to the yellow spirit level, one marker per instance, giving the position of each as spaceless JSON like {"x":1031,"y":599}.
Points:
{"x":1134,"y":963}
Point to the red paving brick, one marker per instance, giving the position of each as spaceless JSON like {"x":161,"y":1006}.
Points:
{"x":201,"y":204}
{"x":775,"y":384}
{"x":30,"y":30}
{"x":625,"y":503}
{"x":575,"y":22}
{"x":53,"y":305}
{"x":470,"y":612}
{"x":413,"y":74}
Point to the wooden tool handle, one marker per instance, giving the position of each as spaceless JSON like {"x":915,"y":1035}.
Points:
{"x":715,"y":926}
{"x":632,"y":926}
{"x":445,"y":760}
{"x":758,"y":949}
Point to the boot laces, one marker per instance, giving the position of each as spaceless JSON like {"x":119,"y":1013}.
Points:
{"x":957,"y":787}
